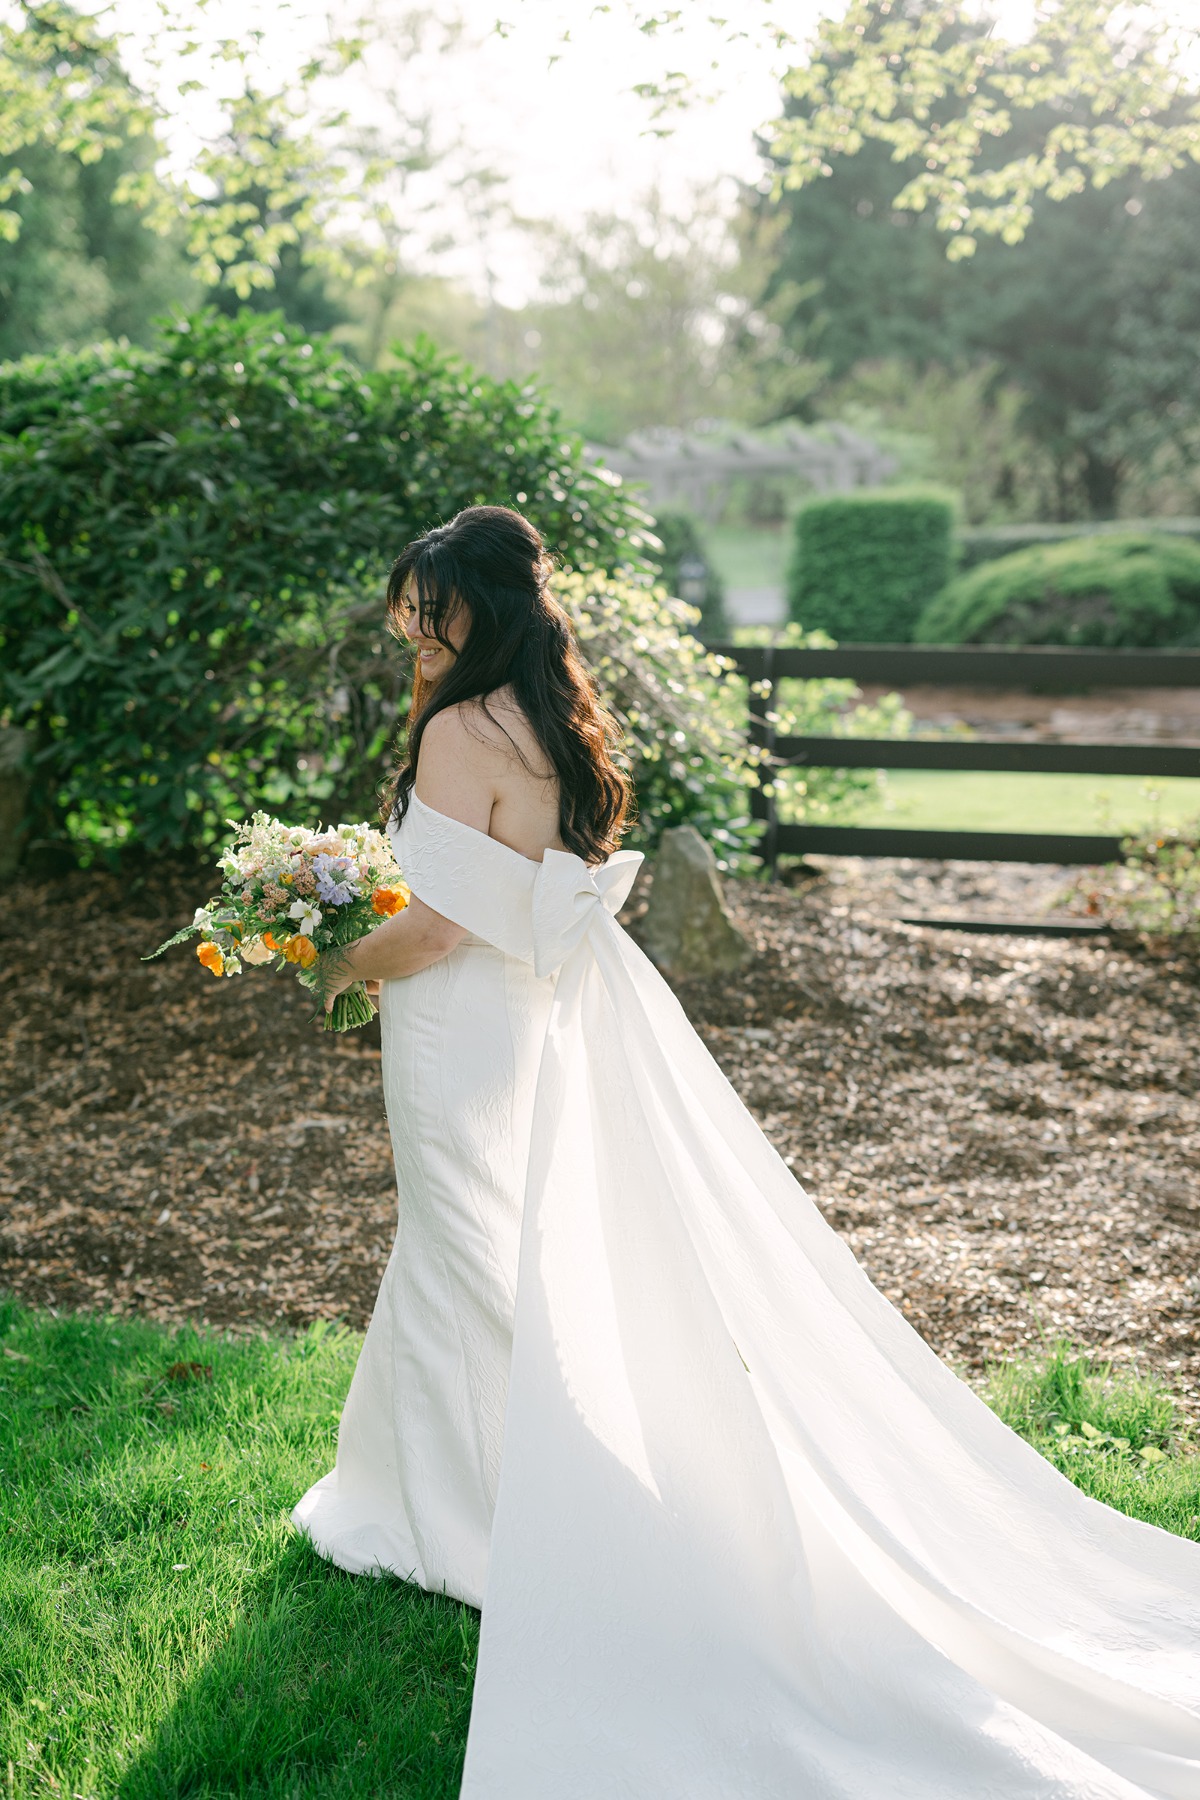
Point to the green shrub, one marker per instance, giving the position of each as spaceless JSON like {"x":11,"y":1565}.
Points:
{"x":1135,"y":590}
{"x":864,"y":564}
{"x":188,"y":536}
{"x":682,"y":542}
{"x":1154,"y":892}
{"x":830,"y":706}
{"x":991,"y":541}
{"x":683,"y":712}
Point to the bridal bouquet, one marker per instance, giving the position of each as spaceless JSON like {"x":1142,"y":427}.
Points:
{"x":290,"y":895}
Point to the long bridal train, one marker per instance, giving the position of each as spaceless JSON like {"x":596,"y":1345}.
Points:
{"x":738,"y":1533}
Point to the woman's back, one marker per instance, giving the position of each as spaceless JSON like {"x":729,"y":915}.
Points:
{"x":481,"y":763}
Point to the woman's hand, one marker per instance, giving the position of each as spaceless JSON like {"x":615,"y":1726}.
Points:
{"x":338,"y":973}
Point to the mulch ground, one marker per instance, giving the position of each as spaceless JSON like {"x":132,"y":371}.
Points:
{"x":1005,"y":1129}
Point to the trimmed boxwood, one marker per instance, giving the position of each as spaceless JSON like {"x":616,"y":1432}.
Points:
{"x":865,"y":564}
{"x":988,"y":542}
{"x":1139,"y":590}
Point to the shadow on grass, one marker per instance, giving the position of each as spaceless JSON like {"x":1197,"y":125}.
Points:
{"x":329,"y":1684}
{"x":163,"y":1631}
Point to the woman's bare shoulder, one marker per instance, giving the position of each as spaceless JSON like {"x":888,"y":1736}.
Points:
{"x":462,"y":729}
{"x":457,"y":774}
{"x":501,"y":727}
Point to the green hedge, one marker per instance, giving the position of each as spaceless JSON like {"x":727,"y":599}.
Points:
{"x":192,"y":540}
{"x":681,"y":540}
{"x":988,"y":542}
{"x":1135,"y":590}
{"x":864,"y":564}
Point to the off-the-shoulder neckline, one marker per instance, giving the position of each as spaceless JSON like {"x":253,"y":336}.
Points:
{"x":415,"y":799}
{"x":534,"y":862}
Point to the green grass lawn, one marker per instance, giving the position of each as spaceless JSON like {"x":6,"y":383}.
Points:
{"x":748,"y":556}
{"x":164,"y":1633}
{"x":929,"y":798}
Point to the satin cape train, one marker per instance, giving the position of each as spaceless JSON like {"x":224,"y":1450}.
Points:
{"x":753,"y":1540}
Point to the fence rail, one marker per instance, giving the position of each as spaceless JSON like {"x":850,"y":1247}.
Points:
{"x":1049,"y":670}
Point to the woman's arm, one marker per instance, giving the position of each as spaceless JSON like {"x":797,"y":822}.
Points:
{"x":408,"y":941}
{"x":457,"y":777}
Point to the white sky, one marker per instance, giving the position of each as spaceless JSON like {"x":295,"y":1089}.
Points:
{"x":568,"y":138}
{"x":565,"y":139}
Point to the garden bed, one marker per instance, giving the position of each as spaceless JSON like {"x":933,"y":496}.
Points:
{"x":1006,"y":1130}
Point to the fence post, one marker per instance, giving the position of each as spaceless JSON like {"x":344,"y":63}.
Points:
{"x":1048,"y":668}
{"x":762,"y":734}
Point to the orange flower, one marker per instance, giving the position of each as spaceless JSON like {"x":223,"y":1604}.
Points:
{"x":387,"y":901}
{"x":269,"y":941}
{"x":211,"y":957}
{"x":300,"y":949}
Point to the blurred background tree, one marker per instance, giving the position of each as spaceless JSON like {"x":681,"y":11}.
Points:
{"x":981,"y":254}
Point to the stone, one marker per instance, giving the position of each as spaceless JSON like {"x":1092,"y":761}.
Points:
{"x":14,"y":794}
{"x":686,"y":929}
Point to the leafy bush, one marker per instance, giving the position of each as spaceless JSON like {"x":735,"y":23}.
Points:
{"x":1155,"y":891}
{"x":683,"y":711}
{"x":186,"y":538}
{"x":681,"y":540}
{"x":864,"y":564}
{"x":821,"y":708}
{"x":1136,"y":590}
{"x":989,"y":542}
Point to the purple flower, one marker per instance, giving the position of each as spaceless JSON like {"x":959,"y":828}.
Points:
{"x":336,"y":879}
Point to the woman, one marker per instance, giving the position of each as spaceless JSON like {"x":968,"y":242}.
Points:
{"x":737,"y":1533}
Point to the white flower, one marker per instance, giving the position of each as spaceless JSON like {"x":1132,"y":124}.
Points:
{"x":256,"y":952}
{"x":306,"y":915}
{"x":203,"y":918}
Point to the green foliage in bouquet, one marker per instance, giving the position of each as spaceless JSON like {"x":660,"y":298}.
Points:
{"x":188,"y":536}
{"x":293,"y":895}
{"x":1138,"y":590}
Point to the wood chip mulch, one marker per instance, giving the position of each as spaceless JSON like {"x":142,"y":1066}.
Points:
{"x":1005,"y":1129}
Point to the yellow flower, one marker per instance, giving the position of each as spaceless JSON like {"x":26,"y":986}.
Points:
{"x":300,"y":949}
{"x":211,"y":957}
{"x":286,"y":878}
{"x":387,"y":901}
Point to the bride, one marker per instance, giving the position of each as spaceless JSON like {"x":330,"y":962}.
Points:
{"x":736,"y":1532}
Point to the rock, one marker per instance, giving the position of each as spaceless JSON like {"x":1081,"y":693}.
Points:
{"x":687,"y":929}
{"x":14,"y":793}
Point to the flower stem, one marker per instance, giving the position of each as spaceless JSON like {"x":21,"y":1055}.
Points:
{"x":352,"y":1008}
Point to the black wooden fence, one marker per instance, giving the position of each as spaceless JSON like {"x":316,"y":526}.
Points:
{"x":1057,"y":671}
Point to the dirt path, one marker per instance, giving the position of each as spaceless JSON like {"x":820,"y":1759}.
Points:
{"x":1006,"y":1130}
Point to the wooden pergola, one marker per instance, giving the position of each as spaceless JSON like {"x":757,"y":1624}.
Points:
{"x":696,"y":470}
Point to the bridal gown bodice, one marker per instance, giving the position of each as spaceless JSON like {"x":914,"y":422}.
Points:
{"x":736,"y":1531}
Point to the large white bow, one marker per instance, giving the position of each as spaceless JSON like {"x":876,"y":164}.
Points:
{"x":568,"y":898}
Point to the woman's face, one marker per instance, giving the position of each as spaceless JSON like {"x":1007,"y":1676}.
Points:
{"x":434,"y":657}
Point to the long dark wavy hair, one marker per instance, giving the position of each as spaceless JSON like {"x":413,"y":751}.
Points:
{"x":493,"y":561}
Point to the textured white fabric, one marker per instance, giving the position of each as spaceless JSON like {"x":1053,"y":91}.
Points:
{"x":738,"y":1533}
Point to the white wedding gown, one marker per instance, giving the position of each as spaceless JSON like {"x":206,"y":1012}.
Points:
{"x":736,"y":1531}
